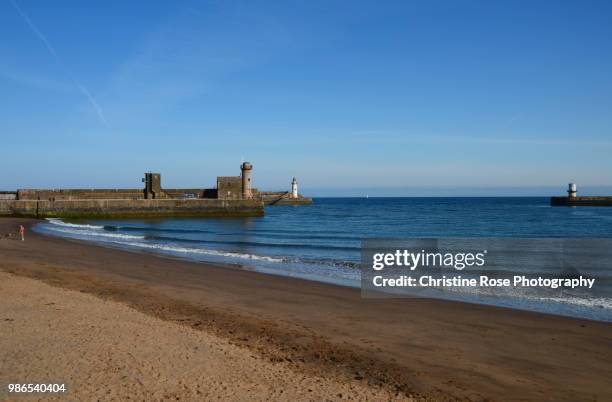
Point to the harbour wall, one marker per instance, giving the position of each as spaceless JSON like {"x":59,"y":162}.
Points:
{"x":268,"y":197}
{"x":294,"y":201}
{"x":110,"y":194}
{"x":581,"y":201}
{"x":126,"y":208}
{"x":80,"y":194}
{"x":8,"y":195}
{"x":281,"y":198}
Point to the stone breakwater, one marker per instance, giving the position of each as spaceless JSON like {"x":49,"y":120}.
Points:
{"x":125,"y":208}
{"x":233,"y":196}
{"x":581,"y":201}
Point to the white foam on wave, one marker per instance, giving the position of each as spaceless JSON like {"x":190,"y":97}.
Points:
{"x":600,"y":302}
{"x":93,"y":234}
{"x":59,"y":222}
{"x":191,"y":250}
{"x":527,"y":295}
{"x":94,"y":231}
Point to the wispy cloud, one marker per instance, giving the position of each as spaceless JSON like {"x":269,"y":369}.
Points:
{"x":33,"y":80}
{"x":93,"y":102}
{"x":53,"y":53}
{"x":34,"y":29}
{"x":188,"y":59}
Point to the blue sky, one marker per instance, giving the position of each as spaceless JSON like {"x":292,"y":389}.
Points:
{"x":380,"y":97}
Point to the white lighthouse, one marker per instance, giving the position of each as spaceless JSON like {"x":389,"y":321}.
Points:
{"x":294,"y":190}
{"x":571,"y":190}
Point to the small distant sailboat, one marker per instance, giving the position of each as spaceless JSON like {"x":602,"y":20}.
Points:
{"x":367,"y":196}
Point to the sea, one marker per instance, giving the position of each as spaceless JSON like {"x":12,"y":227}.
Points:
{"x":322,"y":242}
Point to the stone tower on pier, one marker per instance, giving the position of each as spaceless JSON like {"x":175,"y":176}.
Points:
{"x":246,"y":169}
{"x":152,"y":188}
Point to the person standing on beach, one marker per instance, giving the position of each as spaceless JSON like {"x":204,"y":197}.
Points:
{"x":22,"y":232}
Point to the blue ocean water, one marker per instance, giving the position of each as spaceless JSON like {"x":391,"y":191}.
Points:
{"x":322,"y":242}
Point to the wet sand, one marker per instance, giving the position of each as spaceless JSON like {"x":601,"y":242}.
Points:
{"x":427,"y":349}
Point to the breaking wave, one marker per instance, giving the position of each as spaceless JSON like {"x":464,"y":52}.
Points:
{"x":191,"y":250}
{"x":59,"y":222}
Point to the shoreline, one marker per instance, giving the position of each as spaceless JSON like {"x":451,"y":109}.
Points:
{"x":427,"y":348}
{"x":251,"y":266}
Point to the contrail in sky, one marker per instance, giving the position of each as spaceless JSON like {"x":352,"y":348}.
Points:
{"x":51,"y":50}
{"x":93,"y":102}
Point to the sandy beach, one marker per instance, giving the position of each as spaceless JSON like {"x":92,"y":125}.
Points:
{"x":105,"y":350}
{"x":112,"y":324}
